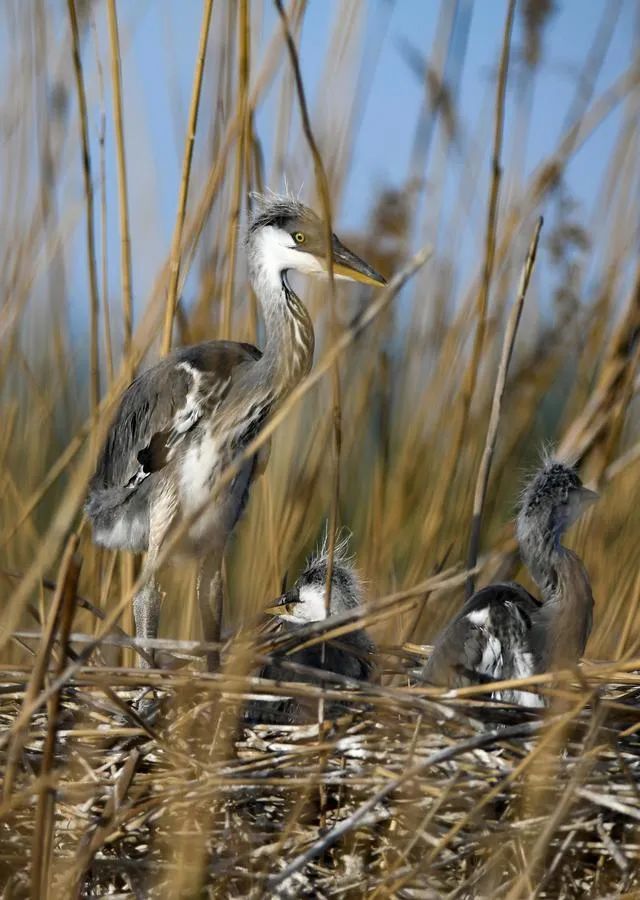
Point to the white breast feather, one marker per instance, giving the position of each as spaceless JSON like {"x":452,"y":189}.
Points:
{"x":491,"y":662}
{"x":479,"y":616}
{"x":197,"y":466}
{"x":523,"y":666}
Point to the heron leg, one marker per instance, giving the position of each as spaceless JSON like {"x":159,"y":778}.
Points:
{"x":148,"y":601}
{"x":210,"y":599}
{"x":146,"y":614}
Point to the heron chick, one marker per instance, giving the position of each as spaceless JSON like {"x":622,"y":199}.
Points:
{"x":502,"y":632}
{"x":182,"y":423}
{"x":352,"y":654}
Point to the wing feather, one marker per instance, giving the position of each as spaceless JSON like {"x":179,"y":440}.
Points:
{"x":491,"y":639}
{"x":156,"y":411}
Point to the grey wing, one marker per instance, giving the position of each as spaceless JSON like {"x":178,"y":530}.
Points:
{"x":156,"y":411}
{"x":489,"y":640}
{"x":275,"y":710}
{"x":354,"y":655}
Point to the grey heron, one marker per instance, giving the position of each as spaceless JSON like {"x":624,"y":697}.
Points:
{"x":351,"y":654}
{"x":184,"y":420}
{"x":502,"y":632}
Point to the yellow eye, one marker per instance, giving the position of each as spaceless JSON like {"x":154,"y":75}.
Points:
{"x":299,"y":237}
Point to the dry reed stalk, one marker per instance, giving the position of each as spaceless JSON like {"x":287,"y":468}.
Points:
{"x":106,"y":313}
{"x":322,"y":183}
{"x":482,"y":304}
{"x":127,"y":573}
{"x":123,"y":193}
{"x":240,"y":163}
{"x":176,"y":242}
{"x":482,"y":481}
{"x":44,"y":820}
{"x":36,"y":680}
{"x":94,"y":303}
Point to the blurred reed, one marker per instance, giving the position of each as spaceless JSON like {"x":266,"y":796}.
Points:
{"x":391,"y":443}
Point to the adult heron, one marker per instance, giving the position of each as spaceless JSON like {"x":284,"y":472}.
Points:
{"x":181,"y":423}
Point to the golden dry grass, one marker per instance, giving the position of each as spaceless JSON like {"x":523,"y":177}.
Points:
{"x":415,"y":391}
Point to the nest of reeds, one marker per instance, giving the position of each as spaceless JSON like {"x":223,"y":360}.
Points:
{"x":408,"y":793}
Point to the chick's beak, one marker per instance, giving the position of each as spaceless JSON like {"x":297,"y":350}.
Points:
{"x":347,"y":265}
{"x":587,"y":496}
{"x":281,"y":605}
{"x":579,"y":500}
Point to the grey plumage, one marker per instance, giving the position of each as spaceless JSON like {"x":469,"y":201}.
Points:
{"x":351,"y":655}
{"x":503,"y":632}
{"x":185,"y":420}
{"x":127,"y":472}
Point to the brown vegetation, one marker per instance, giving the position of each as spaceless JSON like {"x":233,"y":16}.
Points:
{"x":415,"y":795}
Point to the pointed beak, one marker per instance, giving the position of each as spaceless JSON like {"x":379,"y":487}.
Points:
{"x":579,"y":500}
{"x":347,"y":265}
{"x":279,"y":606}
{"x":587,"y":496}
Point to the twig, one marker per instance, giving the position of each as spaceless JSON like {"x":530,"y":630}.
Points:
{"x":83,"y":603}
{"x":105,"y":822}
{"x":176,"y":243}
{"x":328,"y":840}
{"x":492,"y":210}
{"x":496,"y":407}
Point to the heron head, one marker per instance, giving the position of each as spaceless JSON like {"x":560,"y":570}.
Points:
{"x":288,"y":235}
{"x":302,"y":604}
{"x":554,"y":498}
{"x":305,"y":601}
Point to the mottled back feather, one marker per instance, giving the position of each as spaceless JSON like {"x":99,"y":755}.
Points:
{"x":150,"y":403}
{"x":491,"y":639}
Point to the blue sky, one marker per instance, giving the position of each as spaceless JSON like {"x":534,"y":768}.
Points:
{"x":159,"y":46}
{"x":164,"y":38}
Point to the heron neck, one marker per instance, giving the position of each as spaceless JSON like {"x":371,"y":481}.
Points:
{"x":567,"y":611}
{"x":541,"y":553}
{"x":288,"y":351}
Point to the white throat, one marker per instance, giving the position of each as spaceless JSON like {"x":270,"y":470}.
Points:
{"x":276,"y":252}
{"x":311,"y":607}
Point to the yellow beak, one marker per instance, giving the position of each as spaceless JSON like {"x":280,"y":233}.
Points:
{"x":347,"y":265}
{"x":357,"y":275}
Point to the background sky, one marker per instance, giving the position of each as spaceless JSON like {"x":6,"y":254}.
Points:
{"x":159,"y":43}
